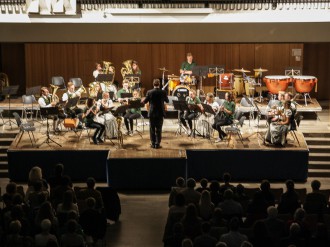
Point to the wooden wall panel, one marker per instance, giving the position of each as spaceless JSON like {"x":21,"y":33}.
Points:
{"x":70,"y":60}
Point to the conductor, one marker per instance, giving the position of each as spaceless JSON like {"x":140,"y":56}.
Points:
{"x":156,"y":98}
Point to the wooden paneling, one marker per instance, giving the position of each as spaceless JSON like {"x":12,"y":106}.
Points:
{"x":42,"y":61}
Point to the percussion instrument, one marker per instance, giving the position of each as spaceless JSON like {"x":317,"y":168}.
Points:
{"x":181,"y":92}
{"x":238,"y":85}
{"x":260,"y":70}
{"x":241,"y":70}
{"x":163,"y":69}
{"x":304,"y":84}
{"x":226,"y":81}
{"x":173,"y":83}
{"x":276,"y":83}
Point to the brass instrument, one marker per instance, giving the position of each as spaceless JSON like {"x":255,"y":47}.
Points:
{"x":92,"y":89}
{"x":108,"y":69}
{"x":4,"y":82}
{"x":119,"y":132}
{"x":54,"y":97}
{"x":127,"y":69}
{"x":81,"y":90}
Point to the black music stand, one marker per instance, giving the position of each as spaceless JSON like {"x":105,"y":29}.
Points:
{"x":136,"y":104}
{"x":133,"y":79}
{"x":195,"y":108}
{"x":9,"y":91}
{"x":251,"y":105}
{"x":49,"y":111}
{"x":70,"y":104}
{"x":104,"y":77}
{"x":33,"y":91}
{"x":180,"y":106}
{"x":200,"y":71}
{"x":126,"y":95}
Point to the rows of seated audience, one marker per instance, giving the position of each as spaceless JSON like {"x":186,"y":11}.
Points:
{"x":52,"y":212}
{"x":221,"y":214}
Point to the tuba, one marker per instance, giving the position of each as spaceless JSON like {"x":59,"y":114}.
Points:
{"x":127,"y":69}
{"x":81,"y":90}
{"x":54,"y":97}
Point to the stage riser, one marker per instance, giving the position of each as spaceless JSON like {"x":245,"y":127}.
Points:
{"x":79,"y":165}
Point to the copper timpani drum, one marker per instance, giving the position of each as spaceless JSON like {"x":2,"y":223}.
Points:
{"x":304,"y":84}
{"x":276,"y":83}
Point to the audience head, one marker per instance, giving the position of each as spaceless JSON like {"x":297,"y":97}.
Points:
{"x":178,"y":229}
{"x":240,"y":189}
{"x":180,"y":182}
{"x":67,"y":199}
{"x":226,"y":177}
{"x":11,"y":188}
{"x":221,"y":244}
{"x":204,"y":182}
{"x":289,"y":185}
{"x":35,"y":174}
{"x":187,"y":243}
{"x":294,"y":229}
{"x":206,"y":227}
{"x":316,"y":185}
{"x":272,"y":212}
{"x":300,"y":214}
{"x":191,"y":183}
{"x":265,"y":185}
{"x":260,"y":229}
{"x":246,"y":244}
{"x":46,"y":210}
{"x":66,"y":181}
{"x":214,"y":186}
{"x":15,"y":227}
{"x":46,"y":225}
{"x":17,"y":212}
{"x":191,"y":211}
{"x":72,"y":226}
{"x":90,"y":183}
{"x":179,"y":200}
{"x":228,"y":194}
{"x":90,"y":202}
{"x":217,"y":214}
{"x":17,"y":199}
{"x":205,"y":198}
{"x":234,"y":224}
{"x":59,"y":168}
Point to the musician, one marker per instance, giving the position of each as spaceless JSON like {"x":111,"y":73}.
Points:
{"x":98,"y":70}
{"x":289,"y":96}
{"x":225,"y":116}
{"x":96,"y":92}
{"x":278,"y":130}
{"x":125,"y":89}
{"x":45,"y":101}
{"x":105,"y":117}
{"x":187,"y":66}
{"x":88,"y":116}
{"x":70,"y":94}
{"x":156,"y":98}
{"x":192,"y":99}
{"x":272,"y":110}
{"x":215,"y":106}
{"x":132,"y":113}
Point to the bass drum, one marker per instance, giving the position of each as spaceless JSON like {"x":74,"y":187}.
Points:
{"x":181,"y":92}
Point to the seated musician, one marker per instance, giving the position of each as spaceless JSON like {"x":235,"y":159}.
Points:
{"x":225,"y":116}
{"x":98,"y":70}
{"x":96,"y":91}
{"x":104,"y":106}
{"x":192,"y":99}
{"x":273,"y":109}
{"x":88,"y":116}
{"x":289,"y":96}
{"x":48,"y":100}
{"x":132,"y":113}
{"x":70,"y":94}
{"x":125,"y":89}
{"x":278,"y":129}
{"x":215,"y":106}
{"x":136,"y":71}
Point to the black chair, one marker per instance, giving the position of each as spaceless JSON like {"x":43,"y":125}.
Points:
{"x":24,"y":127}
{"x":295,"y":123}
{"x":77,"y":82}
{"x":235,"y":127}
{"x":58,"y":81}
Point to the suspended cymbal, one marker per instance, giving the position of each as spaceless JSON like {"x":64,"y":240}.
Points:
{"x":163,"y":69}
{"x":260,"y":70}
{"x":241,"y":70}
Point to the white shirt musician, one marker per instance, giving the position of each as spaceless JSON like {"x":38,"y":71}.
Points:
{"x":98,"y":70}
{"x":70,"y":93}
{"x":46,"y":98}
{"x":125,"y":89}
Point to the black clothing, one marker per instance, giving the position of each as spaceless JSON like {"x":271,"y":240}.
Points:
{"x":128,"y":118}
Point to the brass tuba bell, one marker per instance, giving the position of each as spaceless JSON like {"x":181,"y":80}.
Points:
{"x":54,"y":97}
{"x":127,"y":69}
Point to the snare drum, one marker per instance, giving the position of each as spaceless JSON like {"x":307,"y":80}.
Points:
{"x":226,"y":81}
{"x":304,"y":84}
{"x":276,"y":83}
{"x":172,"y":84}
{"x":181,"y":92}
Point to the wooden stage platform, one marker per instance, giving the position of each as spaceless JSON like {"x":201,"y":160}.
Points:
{"x":137,"y":166}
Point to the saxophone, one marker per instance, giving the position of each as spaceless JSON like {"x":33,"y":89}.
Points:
{"x":119,"y":132}
{"x":127,"y":69}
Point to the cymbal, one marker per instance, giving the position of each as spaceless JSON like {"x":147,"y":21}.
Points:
{"x":172,"y":76}
{"x":163,"y":69}
{"x":241,"y":70}
{"x":260,"y":70}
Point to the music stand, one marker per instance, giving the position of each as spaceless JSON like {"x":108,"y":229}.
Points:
{"x":9,"y":91}
{"x":104,"y":77}
{"x":251,"y":104}
{"x":33,"y":91}
{"x":132,"y":80}
{"x":208,"y":109}
{"x":195,"y":108}
{"x":135,"y":104}
{"x":200,"y":71}
{"x":126,"y":95}
{"x":180,"y":106}
{"x":47,"y":111}
{"x":216,"y":70}
{"x":71,"y":103}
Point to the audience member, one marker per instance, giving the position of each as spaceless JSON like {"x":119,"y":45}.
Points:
{"x":241,"y":197}
{"x":266,"y":193}
{"x":217,"y":219}
{"x":230,"y":208}
{"x":34,"y":198}
{"x":289,"y":201}
{"x":294,"y":237}
{"x":56,"y":195}
{"x":187,"y":242}
{"x":91,"y":192}
{"x":180,"y":186}
{"x":275,"y":226}
{"x":226,"y":186}
{"x":42,"y":238}
{"x":190,"y":194}
{"x":67,"y":204}
{"x":300,"y":219}
{"x":234,"y":238}
{"x":71,"y":237}
{"x":191,"y":222}
{"x":56,"y":179}
{"x":204,"y":182}
{"x":175,"y":239}
{"x":46,"y":211}
{"x":205,"y":240}
{"x":261,"y":237}
{"x":256,"y":210}
{"x":206,"y":207}
{"x":35,"y":175}
{"x":216,"y":197}
{"x":221,"y":244}
{"x":316,"y":202}
{"x":320,"y":237}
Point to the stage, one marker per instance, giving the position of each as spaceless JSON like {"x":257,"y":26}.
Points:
{"x":137,"y":166}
